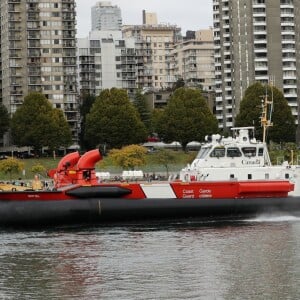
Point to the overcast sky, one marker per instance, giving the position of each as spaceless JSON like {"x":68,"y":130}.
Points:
{"x":187,"y":14}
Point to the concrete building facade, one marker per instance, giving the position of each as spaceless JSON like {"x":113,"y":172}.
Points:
{"x":154,"y":44}
{"x":255,"y":40}
{"x":38,"y":53}
{"x":194,"y":60}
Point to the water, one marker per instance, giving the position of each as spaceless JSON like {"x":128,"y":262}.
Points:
{"x":250,"y":259}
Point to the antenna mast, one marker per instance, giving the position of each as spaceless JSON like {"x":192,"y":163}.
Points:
{"x":267,"y":106}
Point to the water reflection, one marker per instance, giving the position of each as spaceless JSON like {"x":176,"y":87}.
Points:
{"x":249,"y":260}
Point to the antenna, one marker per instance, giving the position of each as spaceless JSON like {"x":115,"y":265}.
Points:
{"x":267,"y":107}
{"x":272,"y":82}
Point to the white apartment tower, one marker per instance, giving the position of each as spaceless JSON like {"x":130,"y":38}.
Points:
{"x":38,"y":53}
{"x":255,"y":40}
{"x":106,"y":16}
{"x":106,"y":60}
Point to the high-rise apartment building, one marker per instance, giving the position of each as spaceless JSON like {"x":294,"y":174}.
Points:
{"x":255,"y":40}
{"x":38,"y":53}
{"x":106,"y":60}
{"x":154,"y":44}
{"x":106,"y":16}
{"x":194,"y":59}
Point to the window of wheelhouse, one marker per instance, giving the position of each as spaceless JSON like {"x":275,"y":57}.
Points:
{"x":260,"y":151}
{"x":203,"y":152}
{"x":218,"y":152}
{"x":233,"y":152}
{"x":249,"y":151}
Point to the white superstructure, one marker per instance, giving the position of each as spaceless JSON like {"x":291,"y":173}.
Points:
{"x":240,"y":157}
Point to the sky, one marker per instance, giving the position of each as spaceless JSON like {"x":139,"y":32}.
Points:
{"x":187,"y":14}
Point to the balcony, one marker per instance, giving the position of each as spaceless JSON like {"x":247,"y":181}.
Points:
{"x":264,"y":78}
{"x":259,"y":23}
{"x":259,"y":5}
{"x":287,"y":23}
{"x":287,"y":15}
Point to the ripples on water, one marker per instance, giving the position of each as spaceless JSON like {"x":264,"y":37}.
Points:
{"x":254,"y":259}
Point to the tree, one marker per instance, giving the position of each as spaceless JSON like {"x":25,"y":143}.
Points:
{"x":129,"y":157}
{"x":165,"y":157}
{"x":11,"y":165}
{"x":4,"y":120}
{"x":178,"y":84}
{"x":87,"y":102}
{"x":37,"y":124}
{"x":186,"y":118}
{"x":38,"y":169}
{"x":140,"y":103}
{"x":283,"y":129}
{"x":114,"y":121}
{"x":156,"y":115}
{"x":59,"y":133}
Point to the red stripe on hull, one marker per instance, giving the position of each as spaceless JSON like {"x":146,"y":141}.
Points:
{"x":191,"y":190}
{"x":231,"y":189}
{"x":34,"y":196}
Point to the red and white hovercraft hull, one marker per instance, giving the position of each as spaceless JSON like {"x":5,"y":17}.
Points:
{"x":78,"y":197}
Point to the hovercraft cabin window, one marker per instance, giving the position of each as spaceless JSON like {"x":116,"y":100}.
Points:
{"x":249,"y":151}
{"x":218,"y":152}
{"x":203,"y":152}
{"x":233,"y":152}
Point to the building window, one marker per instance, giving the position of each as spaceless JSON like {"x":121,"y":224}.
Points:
{"x":94,"y":43}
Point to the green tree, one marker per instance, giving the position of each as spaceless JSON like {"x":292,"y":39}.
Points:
{"x":283,"y":129}
{"x":4,"y":120}
{"x":11,"y":165}
{"x":37,"y":124}
{"x":156,"y":115}
{"x":114,"y":121}
{"x":186,"y":118}
{"x":140,"y":103}
{"x":178,"y":84}
{"x":87,"y":102}
{"x":38,"y":169}
{"x":129,"y":157}
{"x":59,"y":133}
{"x":165,"y":157}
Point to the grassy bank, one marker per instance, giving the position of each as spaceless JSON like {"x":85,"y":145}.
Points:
{"x":182,"y":159}
{"x":48,"y":163}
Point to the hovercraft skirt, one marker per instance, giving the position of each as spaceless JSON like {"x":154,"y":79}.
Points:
{"x":107,"y":210}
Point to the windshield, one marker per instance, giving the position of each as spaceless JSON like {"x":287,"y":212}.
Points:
{"x":203,"y":152}
{"x":218,"y":152}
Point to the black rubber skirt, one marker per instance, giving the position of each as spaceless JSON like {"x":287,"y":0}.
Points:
{"x":105,"y":210}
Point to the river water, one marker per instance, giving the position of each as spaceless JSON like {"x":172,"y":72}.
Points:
{"x":248,"y":259}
